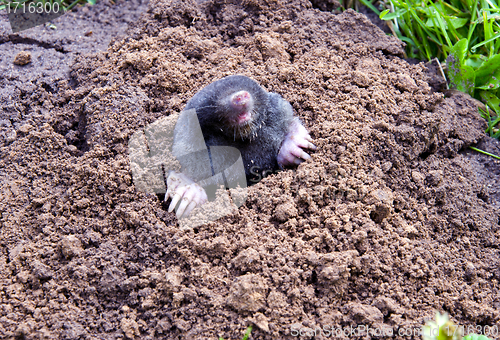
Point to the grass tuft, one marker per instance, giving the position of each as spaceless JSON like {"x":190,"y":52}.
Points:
{"x":463,"y":35}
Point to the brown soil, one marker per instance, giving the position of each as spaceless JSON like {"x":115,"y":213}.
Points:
{"x":388,"y":222}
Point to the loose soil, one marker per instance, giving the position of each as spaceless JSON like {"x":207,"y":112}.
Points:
{"x":390,"y":220}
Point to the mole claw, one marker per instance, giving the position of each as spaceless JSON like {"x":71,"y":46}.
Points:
{"x":174,"y":202}
{"x":182,"y":207}
{"x":189,"y":208}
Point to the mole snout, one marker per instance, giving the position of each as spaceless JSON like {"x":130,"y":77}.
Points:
{"x":241,"y":99}
{"x":241,"y":103}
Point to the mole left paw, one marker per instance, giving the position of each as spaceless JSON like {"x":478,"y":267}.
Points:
{"x":182,"y":189}
{"x":297,"y":139}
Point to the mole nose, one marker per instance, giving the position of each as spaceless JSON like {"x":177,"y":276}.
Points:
{"x":240,"y":98}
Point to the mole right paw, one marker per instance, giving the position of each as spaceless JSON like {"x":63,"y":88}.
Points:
{"x":182,"y":188}
{"x":292,"y":150}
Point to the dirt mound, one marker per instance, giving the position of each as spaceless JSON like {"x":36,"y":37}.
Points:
{"x":385,"y":224}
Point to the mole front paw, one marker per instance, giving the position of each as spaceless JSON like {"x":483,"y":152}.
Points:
{"x":182,"y":188}
{"x":297,"y":139}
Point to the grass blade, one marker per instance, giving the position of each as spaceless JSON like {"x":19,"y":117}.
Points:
{"x":474,"y":48}
{"x":247,"y":333}
{"x":484,"y":152}
{"x":441,"y":25}
{"x":72,"y":5}
{"x":369,"y":5}
{"x":473,"y":19}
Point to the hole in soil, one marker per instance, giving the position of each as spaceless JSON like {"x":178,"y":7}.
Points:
{"x":73,"y":83}
{"x":44,"y":280}
{"x":313,"y":278}
{"x":325,"y":6}
{"x":48,"y":88}
{"x":380,"y":212}
{"x":430,"y":150}
{"x":482,"y":195}
{"x":78,"y":135}
{"x":214,"y":10}
{"x":472,"y":227}
{"x":74,"y":130}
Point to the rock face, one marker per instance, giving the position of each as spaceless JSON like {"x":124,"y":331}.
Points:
{"x":386,"y":223}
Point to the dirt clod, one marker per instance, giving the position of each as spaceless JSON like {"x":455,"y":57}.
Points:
{"x":248,"y":293}
{"x":71,"y":246}
{"x":22,"y":58}
{"x":130,"y":328}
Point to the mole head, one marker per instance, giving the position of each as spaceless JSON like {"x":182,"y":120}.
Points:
{"x":240,"y":107}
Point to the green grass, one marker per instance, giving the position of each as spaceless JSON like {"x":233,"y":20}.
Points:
{"x":484,"y":152}
{"x":464,"y":35}
{"x":65,"y":5}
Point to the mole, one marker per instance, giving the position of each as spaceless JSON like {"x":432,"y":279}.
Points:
{"x":236,"y":111}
